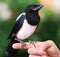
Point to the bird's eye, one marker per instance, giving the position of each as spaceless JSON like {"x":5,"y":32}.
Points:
{"x":32,"y":7}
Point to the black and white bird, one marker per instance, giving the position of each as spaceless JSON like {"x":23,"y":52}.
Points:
{"x":25,"y":25}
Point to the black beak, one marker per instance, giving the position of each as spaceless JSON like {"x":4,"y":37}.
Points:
{"x":38,"y":7}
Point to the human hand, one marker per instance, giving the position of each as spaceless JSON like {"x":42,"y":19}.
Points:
{"x":43,"y":49}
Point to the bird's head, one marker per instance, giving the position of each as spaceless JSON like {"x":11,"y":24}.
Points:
{"x":33,"y":8}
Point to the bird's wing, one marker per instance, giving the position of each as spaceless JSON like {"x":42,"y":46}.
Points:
{"x":18,"y":24}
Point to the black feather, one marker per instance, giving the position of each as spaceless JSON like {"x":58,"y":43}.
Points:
{"x":17,"y":26}
{"x":10,"y":52}
{"x":33,"y":19}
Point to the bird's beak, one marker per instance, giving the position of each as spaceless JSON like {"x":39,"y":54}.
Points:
{"x":38,"y":7}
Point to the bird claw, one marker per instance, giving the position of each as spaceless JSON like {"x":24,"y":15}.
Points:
{"x":22,"y":43}
{"x":33,"y":43}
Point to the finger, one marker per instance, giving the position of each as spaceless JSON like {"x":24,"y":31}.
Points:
{"x":47,"y":44}
{"x":53,"y":52}
{"x":27,"y":45}
{"x":50,"y":47}
{"x":45,"y":56}
{"x":19,"y":45}
{"x":34,"y":56}
{"x":36,"y":51}
{"x":38,"y":56}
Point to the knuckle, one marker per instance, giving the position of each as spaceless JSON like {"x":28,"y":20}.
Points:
{"x":50,"y":41}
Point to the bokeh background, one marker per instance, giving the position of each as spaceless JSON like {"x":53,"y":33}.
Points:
{"x":49,"y":28}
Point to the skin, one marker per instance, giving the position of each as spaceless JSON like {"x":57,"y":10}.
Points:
{"x":42,"y":49}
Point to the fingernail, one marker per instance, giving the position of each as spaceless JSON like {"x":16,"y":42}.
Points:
{"x":13,"y":46}
{"x":40,"y":51}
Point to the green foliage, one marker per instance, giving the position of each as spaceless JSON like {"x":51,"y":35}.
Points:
{"x":5,"y":27}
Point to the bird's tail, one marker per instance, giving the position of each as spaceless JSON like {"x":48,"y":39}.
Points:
{"x":10,"y":52}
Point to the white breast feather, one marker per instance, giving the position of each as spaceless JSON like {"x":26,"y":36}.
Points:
{"x":25,"y":31}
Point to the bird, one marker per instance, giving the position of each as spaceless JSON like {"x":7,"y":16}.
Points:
{"x":24,"y":26}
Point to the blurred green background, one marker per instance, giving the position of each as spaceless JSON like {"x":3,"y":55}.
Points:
{"x":49,"y":28}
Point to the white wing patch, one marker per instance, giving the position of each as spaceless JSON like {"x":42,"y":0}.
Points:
{"x":20,"y":16}
{"x":25,"y":31}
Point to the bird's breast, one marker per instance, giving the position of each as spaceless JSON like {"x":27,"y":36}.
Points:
{"x":25,"y":31}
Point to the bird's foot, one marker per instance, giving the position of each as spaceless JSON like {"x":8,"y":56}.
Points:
{"x":33,"y":43}
{"x":22,"y":42}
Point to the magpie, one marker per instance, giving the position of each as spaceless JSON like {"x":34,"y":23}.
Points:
{"x":25,"y":25}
